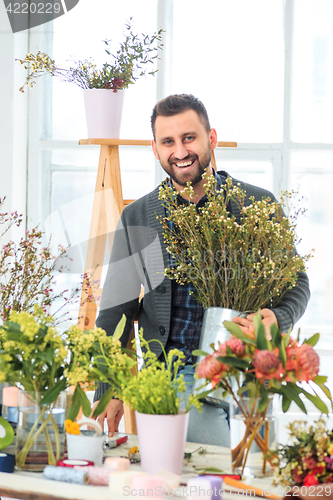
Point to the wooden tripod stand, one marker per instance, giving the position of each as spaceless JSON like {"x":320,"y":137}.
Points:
{"x":107,"y":207}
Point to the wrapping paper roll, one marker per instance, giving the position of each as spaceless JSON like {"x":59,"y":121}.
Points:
{"x":117,"y":463}
{"x":216,"y":486}
{"x":171,"y":480}
{"x":121,"y":481}
{"x":74,"y":463}
{"x":7,"y":462}
{"x":199,"y":487}
{"x":10,"y":396}
{"x":151,"y":486}
{"x":7,"y":433}
{"x":99,"y":476}
{"x":67,"y":474}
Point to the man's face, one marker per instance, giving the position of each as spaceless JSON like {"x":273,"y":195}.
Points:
{"x":183,"y":146}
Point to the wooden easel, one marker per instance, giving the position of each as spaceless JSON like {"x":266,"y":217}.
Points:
{"x":107,"y":207}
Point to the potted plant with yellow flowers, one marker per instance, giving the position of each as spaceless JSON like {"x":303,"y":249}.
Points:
{"x":104,"y":87}
{"x":43,"y":364}
{"x":156,"y":392}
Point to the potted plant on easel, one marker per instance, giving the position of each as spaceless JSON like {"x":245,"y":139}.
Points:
{"x":103,"y":87}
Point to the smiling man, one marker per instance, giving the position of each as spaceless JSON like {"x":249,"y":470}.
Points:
{"x":183,"y":143}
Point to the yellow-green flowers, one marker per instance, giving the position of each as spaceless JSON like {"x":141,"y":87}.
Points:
{"x":157,"y":389}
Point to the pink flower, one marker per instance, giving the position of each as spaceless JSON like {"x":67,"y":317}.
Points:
{"x":237,"y":346}
{"x":291,"y":364}
{"x":215,"y":380}
{"x":222,"y":349}
{"x":210,"y":366}
{"x":308,"y":362}
{"x":267,"y":364}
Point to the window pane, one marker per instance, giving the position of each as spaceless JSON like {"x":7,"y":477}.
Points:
{"x":79,"y":35}
{"x":72,"y":181}
{"x":258,"y":173}
{"x":230,"y":55}
{"x":312,"y":96}
{"x":312,"y":175}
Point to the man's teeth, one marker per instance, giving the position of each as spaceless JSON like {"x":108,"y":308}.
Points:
{"x":184,"y":164}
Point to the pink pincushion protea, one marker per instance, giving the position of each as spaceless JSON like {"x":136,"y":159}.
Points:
{"x":222,"y":349}
{"x":237,"y":346}
{"x":308,"y":362}
{"x":210,"y":366}
{"x":267,"y":364}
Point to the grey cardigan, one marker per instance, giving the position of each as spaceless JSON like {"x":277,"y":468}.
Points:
{"x":139,"y":256}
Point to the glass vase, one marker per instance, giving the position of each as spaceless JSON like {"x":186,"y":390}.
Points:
{"x":252,"y":435}
{"x":40,"y":435}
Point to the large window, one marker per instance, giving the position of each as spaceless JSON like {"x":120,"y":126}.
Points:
{"x":264,"y":71}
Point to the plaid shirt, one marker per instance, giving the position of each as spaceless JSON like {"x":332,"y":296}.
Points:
{"x":186,"y":312}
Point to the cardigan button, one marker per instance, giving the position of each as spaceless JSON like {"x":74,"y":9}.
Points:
{"x":160,"y":289}
{"x":162,"y":330}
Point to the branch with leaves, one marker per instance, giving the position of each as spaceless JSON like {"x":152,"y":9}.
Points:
{"x":135,"y":55}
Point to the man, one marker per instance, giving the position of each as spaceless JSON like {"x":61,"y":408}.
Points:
{"x":183,"y":143}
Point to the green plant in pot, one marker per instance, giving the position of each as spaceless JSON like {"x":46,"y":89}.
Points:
{"x":156,"y":392}
{"x":133,"y":59}
{"x":96,"y":357}
{"x":103,"y":86}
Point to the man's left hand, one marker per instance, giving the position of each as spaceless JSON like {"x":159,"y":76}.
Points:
{"x":246,"y":324}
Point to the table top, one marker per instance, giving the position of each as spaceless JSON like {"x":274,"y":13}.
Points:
{"x":32,"y":486}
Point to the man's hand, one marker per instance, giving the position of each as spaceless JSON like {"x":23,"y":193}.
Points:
{"x":246,"y":324}
{"x":113,"y":413}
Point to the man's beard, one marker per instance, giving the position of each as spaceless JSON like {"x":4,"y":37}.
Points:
{"x":193,"y":177}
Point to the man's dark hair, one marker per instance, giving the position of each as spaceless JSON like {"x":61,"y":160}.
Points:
{"x":177,"y":103}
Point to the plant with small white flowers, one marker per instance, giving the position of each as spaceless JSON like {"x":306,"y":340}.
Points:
{"x":129,"y":63}
{"x":246,"y":265}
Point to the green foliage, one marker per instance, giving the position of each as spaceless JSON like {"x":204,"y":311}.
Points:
{"x":33,"y":354}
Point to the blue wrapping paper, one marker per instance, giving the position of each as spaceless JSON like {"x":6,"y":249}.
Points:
{"x":67,"y":474}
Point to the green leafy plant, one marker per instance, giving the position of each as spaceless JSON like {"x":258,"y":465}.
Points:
{"x":157,"y":389}
{"x":249,"y":367}
{"x":36,"y":358}
{"x":243,"y":266}
{"x":96,"y":357}
{"x":33,"y":357}
{"x":131,"y":61}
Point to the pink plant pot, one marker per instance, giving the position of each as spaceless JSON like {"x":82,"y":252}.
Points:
{"x":103,"y":112}
{"x":162,"y":441}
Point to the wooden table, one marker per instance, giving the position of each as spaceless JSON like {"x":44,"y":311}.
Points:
{"x":32,"y":486}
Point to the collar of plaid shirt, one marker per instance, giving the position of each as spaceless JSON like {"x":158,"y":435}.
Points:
{"x":186,"y":312}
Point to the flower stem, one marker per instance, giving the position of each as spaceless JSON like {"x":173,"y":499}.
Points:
{"x":34,"y":435}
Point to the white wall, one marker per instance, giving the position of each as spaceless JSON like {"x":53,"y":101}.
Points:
{"x":13,"y":116}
